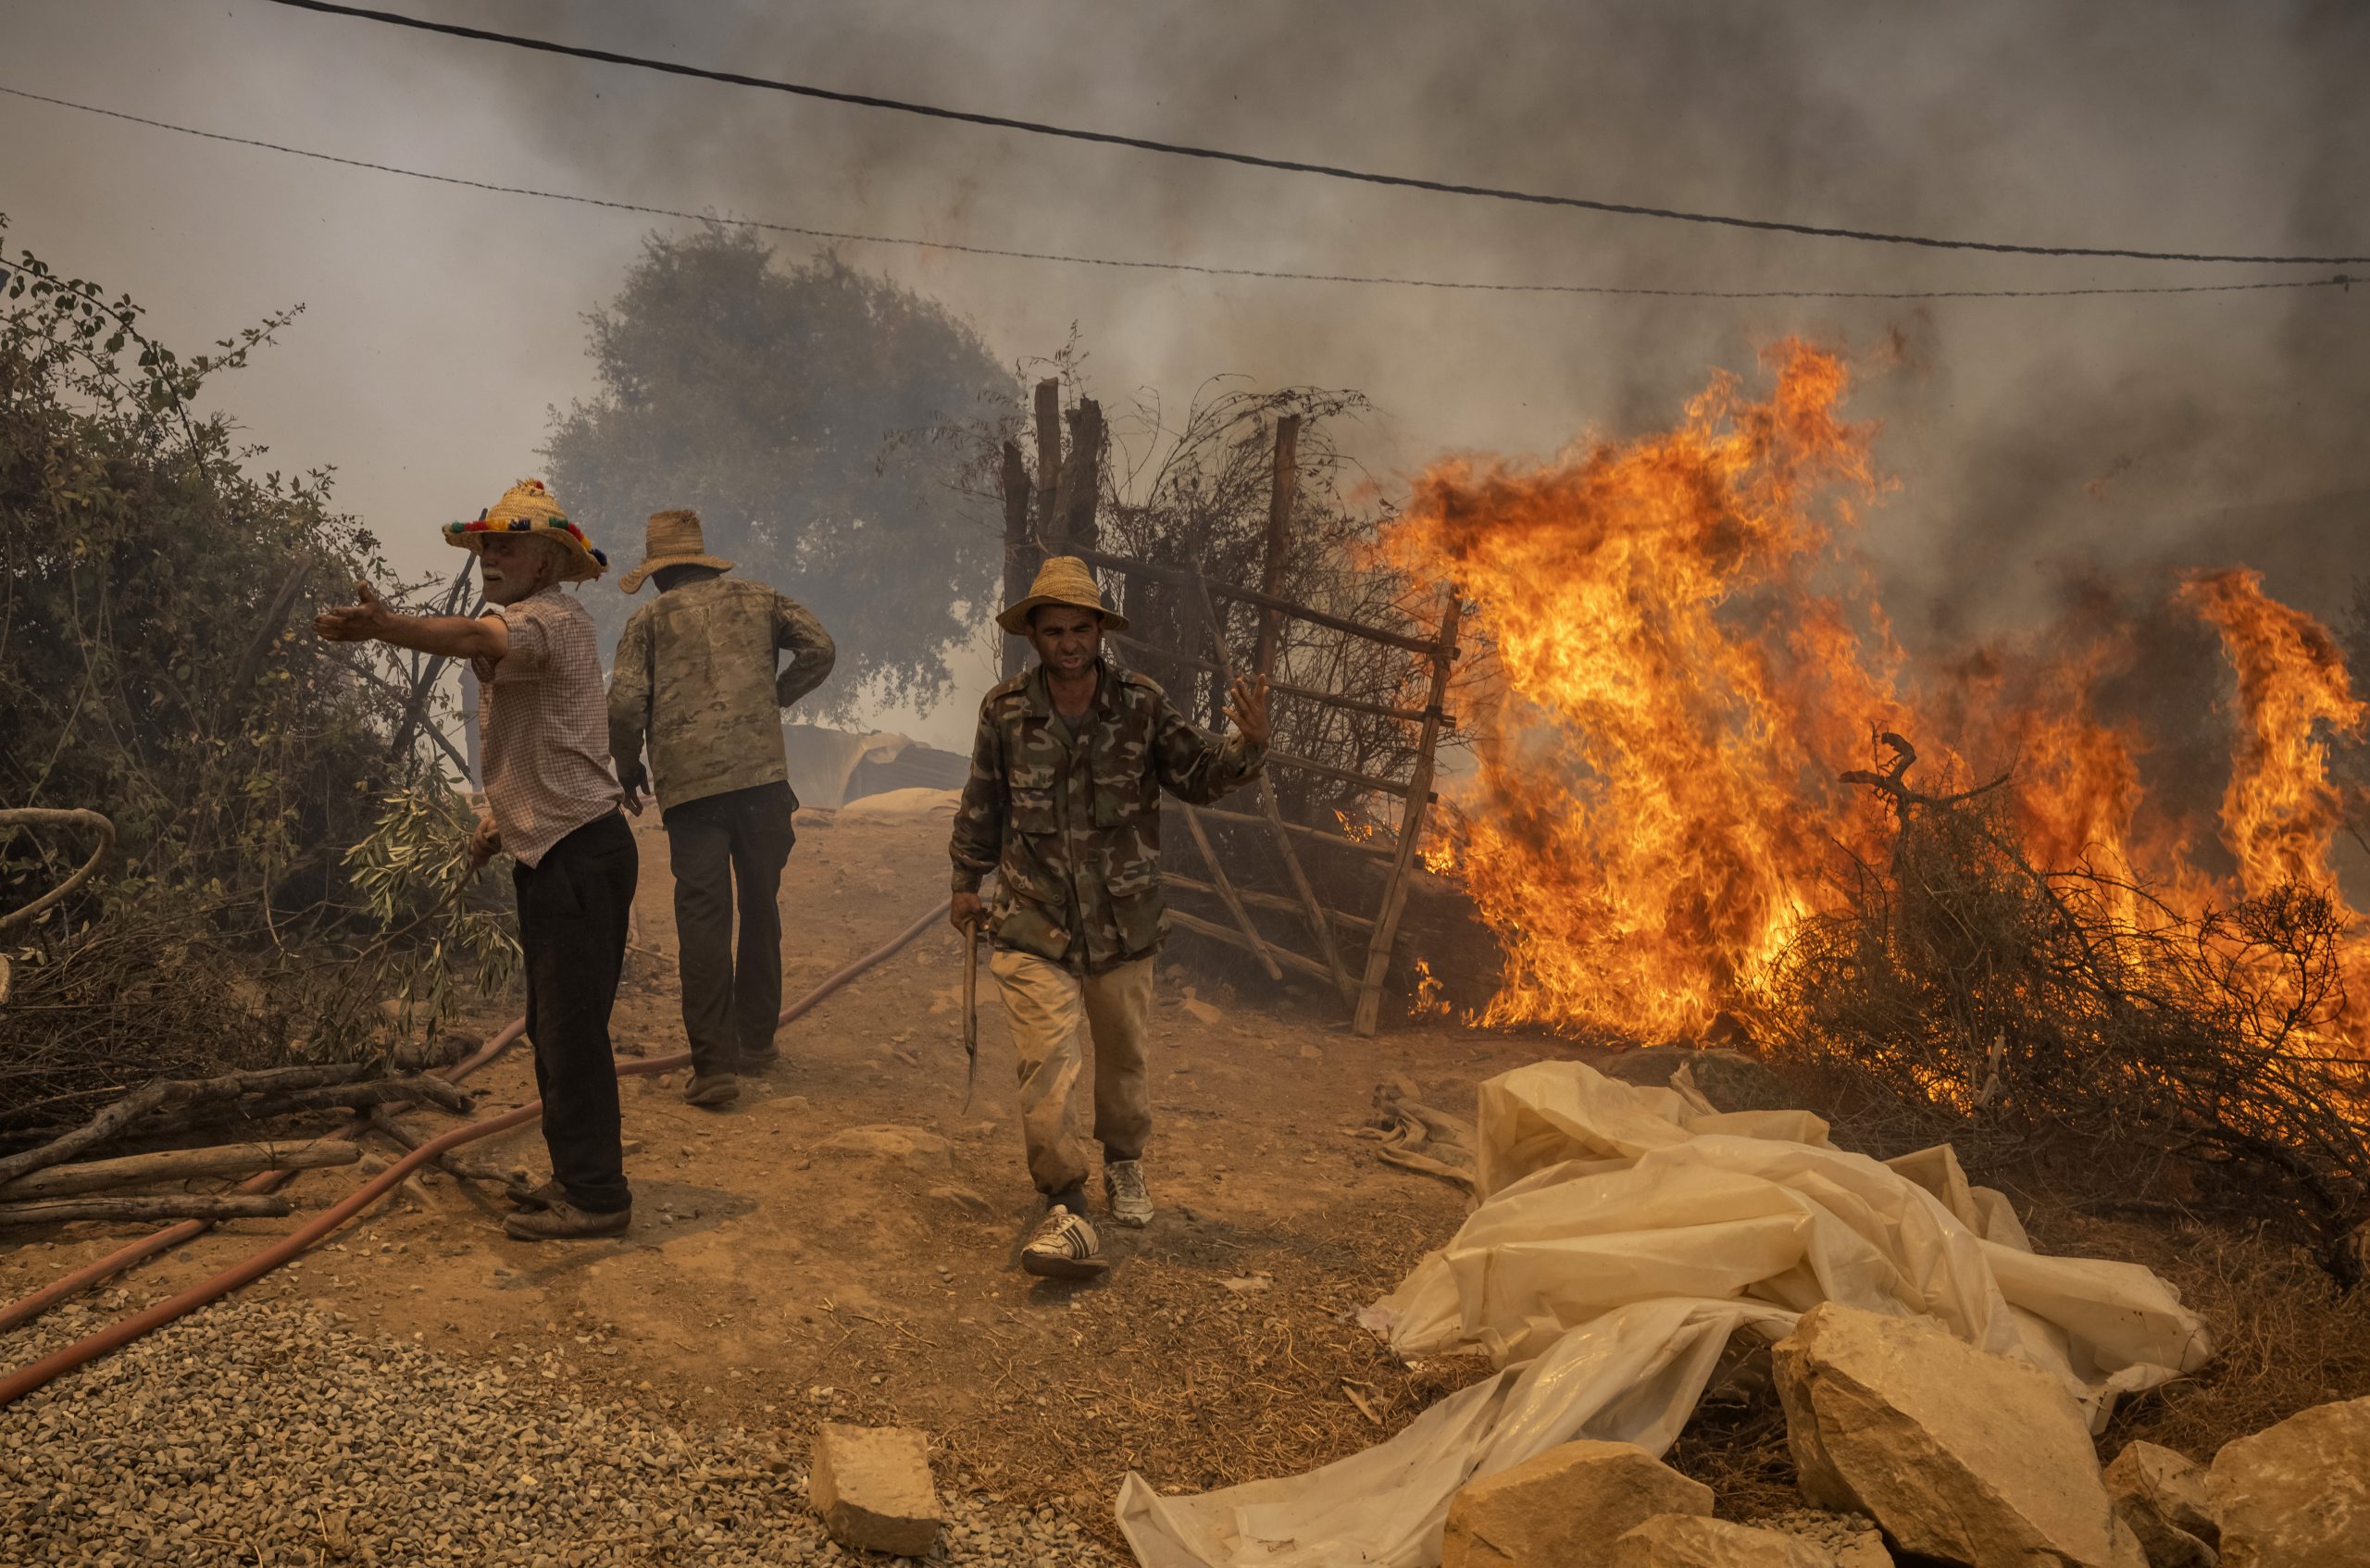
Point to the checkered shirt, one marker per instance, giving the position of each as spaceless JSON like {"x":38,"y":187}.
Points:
{"x":543,"y":724}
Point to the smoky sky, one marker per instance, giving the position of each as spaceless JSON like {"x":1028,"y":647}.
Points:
{"x":2132,"y":434}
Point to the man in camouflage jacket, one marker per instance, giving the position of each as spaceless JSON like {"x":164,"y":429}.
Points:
{"x":695,"y":675}
{"x":1063,"y":805}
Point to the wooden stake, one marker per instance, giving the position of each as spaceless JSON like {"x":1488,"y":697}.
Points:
{"x":1082,"y":481}
{"x":1049,"y":453}
{"x":1021,"y":552}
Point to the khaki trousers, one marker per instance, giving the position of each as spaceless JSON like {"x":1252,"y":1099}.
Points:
{"x":1045,"y":1003}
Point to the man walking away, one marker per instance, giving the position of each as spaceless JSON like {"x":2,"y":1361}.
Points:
{"x":552,"y":805}
{"x":695,"y":676}
{"x":1063,"y":805}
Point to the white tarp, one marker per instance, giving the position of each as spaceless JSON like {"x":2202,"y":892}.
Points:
{"x":1621,"y":1235}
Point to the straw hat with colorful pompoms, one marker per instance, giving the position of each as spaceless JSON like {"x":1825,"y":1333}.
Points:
{"x":528,"y":508}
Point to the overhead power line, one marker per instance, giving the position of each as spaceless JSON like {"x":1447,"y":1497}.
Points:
{"x":1294,"y":165}
{"x":1199,"y":269}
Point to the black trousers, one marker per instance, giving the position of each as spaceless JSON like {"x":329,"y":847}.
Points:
{"x":728,"y":849}
{"x":572,"y":911}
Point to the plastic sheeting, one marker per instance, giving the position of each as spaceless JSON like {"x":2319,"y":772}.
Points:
{"x":1620,"y":1237}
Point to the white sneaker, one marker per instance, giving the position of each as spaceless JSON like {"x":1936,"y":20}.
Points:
{"x":1123,"y":1185}
{"x":1063,"y":1247}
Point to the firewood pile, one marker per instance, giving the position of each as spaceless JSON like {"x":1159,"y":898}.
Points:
{"x":242,"y":1121}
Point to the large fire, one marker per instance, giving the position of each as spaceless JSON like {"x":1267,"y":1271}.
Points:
{"x":1678,"y":656}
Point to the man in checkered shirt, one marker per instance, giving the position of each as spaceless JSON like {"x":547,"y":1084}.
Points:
{"x":552,"y":805}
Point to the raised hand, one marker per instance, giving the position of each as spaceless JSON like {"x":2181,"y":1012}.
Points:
{"x":1247,"y":706}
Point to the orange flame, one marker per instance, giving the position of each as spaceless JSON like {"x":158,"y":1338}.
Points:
{"x":1679,"y":651}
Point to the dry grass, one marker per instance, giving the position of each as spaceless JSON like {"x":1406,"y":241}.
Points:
{"x":2286,"y":1335}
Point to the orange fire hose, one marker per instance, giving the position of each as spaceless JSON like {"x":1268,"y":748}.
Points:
{"x":27,"y":1379}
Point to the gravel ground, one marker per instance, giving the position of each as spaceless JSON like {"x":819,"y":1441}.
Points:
{"x":266,"y":1431}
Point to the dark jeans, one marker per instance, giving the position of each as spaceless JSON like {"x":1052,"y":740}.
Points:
{"x":731,"y":1002}
{"x":572,"y":910}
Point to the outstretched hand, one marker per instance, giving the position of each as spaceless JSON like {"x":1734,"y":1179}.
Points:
{"x":359,"y":622}
{"x":1247,"y":706}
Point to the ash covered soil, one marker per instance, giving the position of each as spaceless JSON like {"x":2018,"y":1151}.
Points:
{"x":423,"y":1390}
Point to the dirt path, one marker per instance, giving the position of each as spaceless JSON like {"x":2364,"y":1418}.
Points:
{"x":769,"y":1281}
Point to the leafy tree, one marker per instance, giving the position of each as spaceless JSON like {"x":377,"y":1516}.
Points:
{"x":796,"y":410}
{"x":156,"y":666}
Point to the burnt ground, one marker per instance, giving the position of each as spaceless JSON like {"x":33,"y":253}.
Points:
{"x":770,"y":1281}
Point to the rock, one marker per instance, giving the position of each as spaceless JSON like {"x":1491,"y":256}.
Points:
{"x":1687,"y":1540}
{"x":1729,"y":1079}
{"x":872,"y":1487}
{"x":1563,"y":1508}
{"x":1962,"y":1455}
{"x":1852,"y":1539}
{"x":2296,"y":1495}
{"x":1202,"y":1011}
{"x":962,"y":1197}
{"x":2161,"y":1495}
{"x":909,"y":1146}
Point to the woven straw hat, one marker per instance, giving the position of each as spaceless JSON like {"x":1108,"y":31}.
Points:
{"x":1063,"y":580}
{"x":528,"y":508}
{"x":672,"y":538}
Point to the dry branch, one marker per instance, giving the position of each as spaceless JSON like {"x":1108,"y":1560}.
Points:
{"x":177,"y":1206}
{"x":178,"y":1165}
{"x":150,"y":1099}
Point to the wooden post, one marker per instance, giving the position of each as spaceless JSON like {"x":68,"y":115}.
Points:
{"x":1279,"y":516}
{"x":1411,"y":827}
{"x":1020,"y":553}
{"x":1081,"y":478}
{"x":1049,"y":453}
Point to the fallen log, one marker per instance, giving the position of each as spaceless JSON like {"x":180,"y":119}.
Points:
{"x":173,"y":1206}
{"x":177,"y":1165}
{"x":168,"y":1094}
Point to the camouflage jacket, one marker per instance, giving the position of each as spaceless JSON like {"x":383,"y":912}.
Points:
{"x":695,"y":676}
{"x":1071,"y":824}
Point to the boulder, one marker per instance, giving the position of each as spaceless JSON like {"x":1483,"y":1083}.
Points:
{"x":871,"y":1485}
{"x":1687,"y":1540}
{"x":1960,"y":1455}
{"x":2296,"y":1495}
{"x":2161,"y":1495}
{"x":907,"y":1146}
{"x":1562,"y":1508}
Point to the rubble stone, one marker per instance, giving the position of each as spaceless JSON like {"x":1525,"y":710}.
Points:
{"x":1563,"y":1508}
{"x":1852,"y":1539}
{"x":1962,"y":1455}
{"x":909,"y":1146}
{"x":1686,"y":1540}
{"x":2162,"y":1496}
{"x":2296,"y":1495}
{"x":871,"y":1487}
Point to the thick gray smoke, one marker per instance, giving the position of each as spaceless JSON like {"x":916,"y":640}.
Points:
{"x":2132,"y":433}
